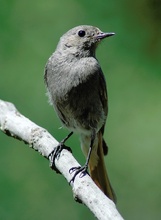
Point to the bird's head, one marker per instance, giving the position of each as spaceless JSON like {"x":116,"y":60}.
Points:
{"x":82,"y":40}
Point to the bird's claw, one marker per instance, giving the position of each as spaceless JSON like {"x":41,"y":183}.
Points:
{"x":78,"y":170}
{"x":55,"y":154}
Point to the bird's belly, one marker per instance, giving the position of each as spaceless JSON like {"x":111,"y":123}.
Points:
{"x":83,"y":119}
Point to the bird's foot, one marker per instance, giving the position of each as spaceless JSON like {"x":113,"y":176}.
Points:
{"x":78,"y":170}
{"x":56,"y":153}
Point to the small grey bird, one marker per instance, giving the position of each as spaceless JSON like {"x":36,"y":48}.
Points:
{"x":77,"y":90}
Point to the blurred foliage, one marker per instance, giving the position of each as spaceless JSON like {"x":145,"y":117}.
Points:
{"x":29,"y":32}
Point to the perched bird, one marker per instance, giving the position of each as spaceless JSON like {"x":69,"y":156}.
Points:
{"x":77,"y":90}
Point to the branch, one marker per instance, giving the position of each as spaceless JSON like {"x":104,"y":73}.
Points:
{"x":14,"y":124}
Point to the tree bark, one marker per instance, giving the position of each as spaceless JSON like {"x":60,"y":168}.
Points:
{"x":16,"y":125}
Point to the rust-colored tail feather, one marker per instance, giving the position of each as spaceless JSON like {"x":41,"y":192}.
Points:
{"x":99,"y":173}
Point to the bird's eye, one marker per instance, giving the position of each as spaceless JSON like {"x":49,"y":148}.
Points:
{"x":81,"y":33}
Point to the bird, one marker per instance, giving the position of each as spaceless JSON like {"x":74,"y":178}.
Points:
{"x":77,"y":89}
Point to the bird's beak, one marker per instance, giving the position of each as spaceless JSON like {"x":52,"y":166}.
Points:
{"x":104,"y":35}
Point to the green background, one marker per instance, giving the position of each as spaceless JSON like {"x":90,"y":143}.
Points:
{"x":29,"y":32}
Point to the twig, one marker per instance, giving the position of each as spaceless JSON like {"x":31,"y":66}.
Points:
{"x":14,"y":124}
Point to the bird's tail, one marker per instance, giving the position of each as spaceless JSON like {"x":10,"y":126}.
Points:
{"x":97,"y":167}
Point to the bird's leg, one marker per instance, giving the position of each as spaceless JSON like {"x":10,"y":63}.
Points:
{"x":83,"y":169}
{"x":57,"y":150}
{"x":66,"y":138}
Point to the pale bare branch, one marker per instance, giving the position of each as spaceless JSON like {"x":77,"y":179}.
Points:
{"x":84,"y":189}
